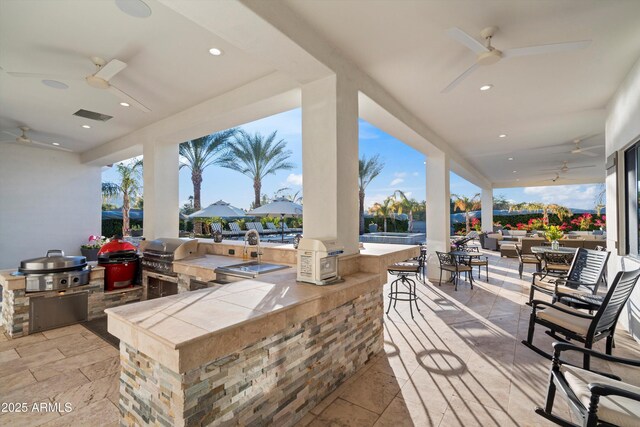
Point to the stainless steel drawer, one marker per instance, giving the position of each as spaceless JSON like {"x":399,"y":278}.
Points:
{"x":54,"y":312}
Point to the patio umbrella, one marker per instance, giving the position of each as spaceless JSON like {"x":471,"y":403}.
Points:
{"x":282,"y":207}
{"x":221,"y":209}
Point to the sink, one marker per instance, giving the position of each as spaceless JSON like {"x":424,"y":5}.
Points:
{"x":249,"y":269}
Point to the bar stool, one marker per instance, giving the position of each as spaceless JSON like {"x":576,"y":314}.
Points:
{"x":403,"y":270}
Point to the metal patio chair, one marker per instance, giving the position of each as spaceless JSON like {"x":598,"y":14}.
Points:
{"x":580,"y":326}
{"x":595,"y":398}
{"x":527,"y":259}
{"x":586,"y":271}
{"x":479,"y":262}
{"x":404,"y":270}
{"x":450,"y":263}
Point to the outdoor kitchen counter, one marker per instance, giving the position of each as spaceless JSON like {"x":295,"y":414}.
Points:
{"x":185,"y":330}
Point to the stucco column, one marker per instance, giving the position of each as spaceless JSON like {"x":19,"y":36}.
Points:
{"x":330,"y":161}
{"x":160,"y":190}
{"x":486,"y":199}
{"x":438,"y":214}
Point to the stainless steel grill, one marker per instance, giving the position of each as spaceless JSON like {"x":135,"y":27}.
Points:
{"x":158,"y":255}
{"x":55,"y":271}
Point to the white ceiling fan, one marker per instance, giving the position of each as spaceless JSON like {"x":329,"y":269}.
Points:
{"x":105,"y":71}
{"x":25,"y":139}
{"x":586,"y":151}
{"x":565,"y":167}
{"x":487,"y":54}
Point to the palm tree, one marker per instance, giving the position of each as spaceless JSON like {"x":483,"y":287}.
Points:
{"x":560,"y":211}
{"x":385,"y":209}
{"x":368,"y":170}
{"x":128,"y":185}
{"x":406,"y":204}
{"x":256,"y":157}
{"x":466,"y":205}
{"x":197,"y":155}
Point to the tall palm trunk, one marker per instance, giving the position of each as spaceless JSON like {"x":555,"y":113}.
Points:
{"x":385,"y":224}
{"x":257,"y":189}
{"x":125,"y":214}
{"x":467,"y":218}
{"x":410,"y":228}
{"x":361,"y":210}
{"x":196,"y":179}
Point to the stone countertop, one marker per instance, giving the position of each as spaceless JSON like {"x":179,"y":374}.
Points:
{"x":202,"y":267}
{"x":13,"y":283}
{"x":183,"y":331}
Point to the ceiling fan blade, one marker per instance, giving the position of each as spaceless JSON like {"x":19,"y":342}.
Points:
{"x":112,"y":68}
{"x":126,"y":98}
{"x":459,"y":78}
{"x":595,"y":147}
{"x":50,"y":146}
{"x":460,"y":36}
{"x":545,"y":48}
{"x":587,"y":153}
{"x":10,"y":133}
{"x":42,"y":76}
{"x":582,"y":167}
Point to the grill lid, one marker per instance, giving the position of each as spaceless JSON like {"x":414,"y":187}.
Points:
{"x":54,"y":261}
{"x":116,"y":246}
{"x":180,"y":248}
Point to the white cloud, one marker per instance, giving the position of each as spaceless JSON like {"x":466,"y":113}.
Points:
{"x":294,"y":179}
{"x":415,"y":174}
{"x":399,"y":178}
{"x":572,"y":196}
{"x":396,"y":181}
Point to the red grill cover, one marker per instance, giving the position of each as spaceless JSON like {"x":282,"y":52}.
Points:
{"x":116,"y":246}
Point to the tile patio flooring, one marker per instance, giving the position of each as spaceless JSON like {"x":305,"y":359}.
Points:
{"x":459,"y":362}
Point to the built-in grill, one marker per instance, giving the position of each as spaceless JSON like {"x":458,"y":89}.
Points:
{"x":158,"y":255}
{"x":54,"y":271}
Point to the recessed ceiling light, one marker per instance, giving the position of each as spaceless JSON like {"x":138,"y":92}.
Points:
{"x":510,"y":158}
{"x":517,"y":179}
{"x":55,"y":84}
{"x":124,"y":104}
{"x":514,"y":171}
{"x":486,"y":87}
{"x":215,"y":51}
{"x":86,"y":126}
{"x":55,"y":143}
{"x":502,"y":135}
{"x":135,"y":8}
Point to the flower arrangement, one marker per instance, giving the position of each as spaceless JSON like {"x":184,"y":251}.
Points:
{"x":94,"y":242}
{"x":553,"y":233}
{"x":583,"y":222}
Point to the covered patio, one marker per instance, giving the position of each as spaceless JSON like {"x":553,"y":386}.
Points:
{"x":459,"y":362}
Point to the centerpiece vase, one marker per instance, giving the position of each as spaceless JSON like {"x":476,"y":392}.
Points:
{"x":555,"y":245}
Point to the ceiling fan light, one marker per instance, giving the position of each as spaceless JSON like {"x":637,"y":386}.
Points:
{"x":490,"y":57}
{"x":97,"y":82}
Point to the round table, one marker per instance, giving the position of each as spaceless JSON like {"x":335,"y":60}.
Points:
{"x":549,"y":250}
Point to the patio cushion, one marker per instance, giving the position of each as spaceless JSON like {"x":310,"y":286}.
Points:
{"x":412,"y":266}
{"x":578,"y":325}
{"x":461,"y":267}
{"x":558,"y":267}
{"x":611,"y":409}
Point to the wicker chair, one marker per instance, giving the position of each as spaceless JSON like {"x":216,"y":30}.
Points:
{"x":586,"y":270}
{"x":579,"y":326}
{"x":450,"y":263}
{"x":595,"y":398}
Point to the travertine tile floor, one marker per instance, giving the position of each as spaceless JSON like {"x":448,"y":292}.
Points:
{"x":458,"y":362}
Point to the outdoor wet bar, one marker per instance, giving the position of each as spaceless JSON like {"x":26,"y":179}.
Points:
{"x":255,"y":352}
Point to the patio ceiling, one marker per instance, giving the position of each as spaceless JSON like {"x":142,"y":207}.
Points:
{"x":169,"y":68}
{"x":539,"y":101}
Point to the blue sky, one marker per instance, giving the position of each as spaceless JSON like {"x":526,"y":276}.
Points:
{"x":404,"y":170}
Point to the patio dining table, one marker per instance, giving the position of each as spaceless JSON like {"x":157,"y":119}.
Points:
{"x":541,"y":251}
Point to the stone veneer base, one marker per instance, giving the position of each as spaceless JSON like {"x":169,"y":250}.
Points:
{"x":276,"y":380}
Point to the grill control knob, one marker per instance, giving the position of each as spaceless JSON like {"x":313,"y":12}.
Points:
{"x":63,"y":281}
{"x":76,"y":279}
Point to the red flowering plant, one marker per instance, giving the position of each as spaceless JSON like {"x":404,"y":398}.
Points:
{"x":584,"y":221}
{"x":521,"y":226}
{"x":564,"y":227}
{"x":536,"y":224}
{"x":475,"y":224}
{"x":601,"y":222}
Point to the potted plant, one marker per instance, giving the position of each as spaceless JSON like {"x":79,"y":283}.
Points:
{"x":553,"y":234}
{"x":90,"y":249}
{"x":136,"y":231}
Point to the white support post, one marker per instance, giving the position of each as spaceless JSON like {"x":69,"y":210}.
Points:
{"x":330,"y":161}
{"x":486,"y":199}
{"x":161,"y":203}
{"x":438,"y":212}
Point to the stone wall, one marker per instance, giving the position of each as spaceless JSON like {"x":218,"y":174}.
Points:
{"x":276,"y":380}
{"x":15,"y":303}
